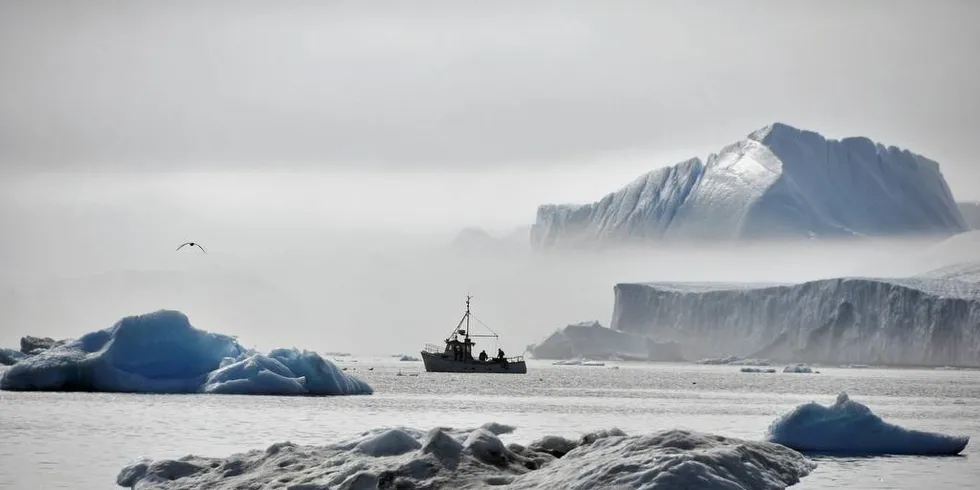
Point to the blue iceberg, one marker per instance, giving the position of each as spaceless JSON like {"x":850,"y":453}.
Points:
{"x":849,"y":427}
{"x":161,"y":352}
{"x":9,"y":357}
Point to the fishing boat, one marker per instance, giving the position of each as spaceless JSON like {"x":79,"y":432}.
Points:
{"x":457,"y":356}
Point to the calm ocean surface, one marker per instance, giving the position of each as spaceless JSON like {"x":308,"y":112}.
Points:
{"x":81,"y":441}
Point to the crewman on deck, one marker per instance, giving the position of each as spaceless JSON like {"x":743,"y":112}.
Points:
{"x":483,"y":356}
{"x":500,"y":354}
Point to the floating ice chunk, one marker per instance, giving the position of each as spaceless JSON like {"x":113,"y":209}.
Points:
{"x":799,"y":368}
{"x":850,"y":427}
{"x":734,"y":361}
{"x":161,"y":352}
{"x":10,"y":357}
{"x":578,"y":362}
{"x":757,"y":370}
{"x":477,"y":459}
{"x":391,"y":442}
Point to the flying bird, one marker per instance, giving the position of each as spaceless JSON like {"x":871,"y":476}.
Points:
{"x":192,"y":244}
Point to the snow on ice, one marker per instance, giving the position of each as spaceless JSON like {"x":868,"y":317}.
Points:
{"x":851,"y":428}
{"x":161,"y":352}
{"x":477,"y":458}
{"x":779,"y":181}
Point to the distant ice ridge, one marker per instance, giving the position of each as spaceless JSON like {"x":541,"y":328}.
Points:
{"x":478,"y":459}
{"x":926,"y":321}
{"x":850,"y":427}
{"x":590,"y":340}
{"x":777,"y":182}
{"x":733,"y":361}
{"x":161,"y":352}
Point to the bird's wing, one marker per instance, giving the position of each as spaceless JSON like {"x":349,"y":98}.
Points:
{"x":198,"y":245}
{"x":181,"y":246}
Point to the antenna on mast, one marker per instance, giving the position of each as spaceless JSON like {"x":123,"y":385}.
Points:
{"x":468,"y":298}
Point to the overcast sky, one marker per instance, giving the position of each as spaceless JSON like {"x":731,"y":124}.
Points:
{"x":458,"y":85}
{"x":128,"y":127}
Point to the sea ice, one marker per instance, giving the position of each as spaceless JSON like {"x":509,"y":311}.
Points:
{"x":477,"y":458}
{"x":161,"y":352}
{"x":849,"y":427}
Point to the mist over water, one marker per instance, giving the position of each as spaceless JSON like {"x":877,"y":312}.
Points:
{"x":296,"y":272}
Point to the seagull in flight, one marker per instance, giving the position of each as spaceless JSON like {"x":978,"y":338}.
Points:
{"x":192,"y":244}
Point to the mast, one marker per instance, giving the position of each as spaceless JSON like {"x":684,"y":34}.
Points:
{"x":467,"y":316}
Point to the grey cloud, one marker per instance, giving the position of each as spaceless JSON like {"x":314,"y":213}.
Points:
{"x":186,"y":85}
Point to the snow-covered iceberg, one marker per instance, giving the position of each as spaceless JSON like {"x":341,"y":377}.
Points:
{"x":161,"y":352}
{"x":779,"y":181}
{"x":478,"y":459}
{"x":590,"y":340}
{"x":896,"y":321}
{"x":850,"y":427}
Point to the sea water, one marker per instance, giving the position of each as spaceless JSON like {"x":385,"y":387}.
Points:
{"x":82,"y":440}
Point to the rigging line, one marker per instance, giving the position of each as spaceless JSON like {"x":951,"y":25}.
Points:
{"x":484,"y":324}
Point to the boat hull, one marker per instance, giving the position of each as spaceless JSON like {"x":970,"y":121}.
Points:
{"x":440,"y":363}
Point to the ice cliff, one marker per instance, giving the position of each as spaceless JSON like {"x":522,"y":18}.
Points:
{"x":932,"y":320}
{"x":161,"y":352}
{"x":971,"y":214}
{"x":590,"y":340}
{"x":777,"y":182}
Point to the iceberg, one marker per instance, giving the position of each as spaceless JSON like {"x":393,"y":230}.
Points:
{"x":161,"y":352}
{"x":757,"y":370}
{"x":35,"y":345}
{"x":922,"y":321}
{"x":401,"y":457}
{"x":971,"y":214}
{"x":798,"y":368}
{"x":851,"y":428}
{"x":591,"y":340}
{"x":9,"y":356}
{"x":779,"y":181}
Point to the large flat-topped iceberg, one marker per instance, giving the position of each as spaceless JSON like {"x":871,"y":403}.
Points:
{"x":971,"y":214}
{"x":161,"y":352}
{"x":910,"y":321}
{"x":778,"y":182}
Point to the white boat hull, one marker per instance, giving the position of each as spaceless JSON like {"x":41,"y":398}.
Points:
{"x":444,"y":363}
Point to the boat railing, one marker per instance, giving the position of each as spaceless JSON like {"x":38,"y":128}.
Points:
{"x":515,"y":359}
{"x":433,"y":349}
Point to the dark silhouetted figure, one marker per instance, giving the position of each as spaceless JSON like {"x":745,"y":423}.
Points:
{"x":500,"y":354}
{"x":192,"y":244}
{"x":483,"y":356}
